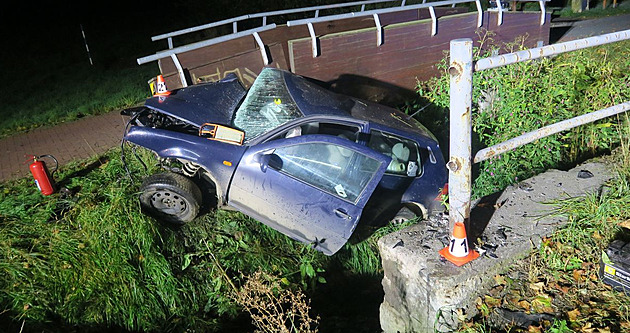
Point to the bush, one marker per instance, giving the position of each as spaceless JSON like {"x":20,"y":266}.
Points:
{"x":515,"y":99}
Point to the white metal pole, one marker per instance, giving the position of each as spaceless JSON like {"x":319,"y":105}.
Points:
{"x":86,"y":45}
{"x":460,"y":162}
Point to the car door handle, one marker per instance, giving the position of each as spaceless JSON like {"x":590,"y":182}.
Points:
{"x":341,"y":213}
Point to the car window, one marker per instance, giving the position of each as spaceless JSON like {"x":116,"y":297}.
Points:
{"x":404,"y":153}
{"x":266,"y":106}
{"x":332,"y":168}
{"x":339,"y":130}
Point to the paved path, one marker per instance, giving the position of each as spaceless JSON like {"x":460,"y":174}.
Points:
{"x":94,"y":135}
{"x":71,"y":141}
{"x":588,"y":28}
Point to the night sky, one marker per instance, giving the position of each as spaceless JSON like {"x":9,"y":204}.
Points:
{"x":119,"y":30}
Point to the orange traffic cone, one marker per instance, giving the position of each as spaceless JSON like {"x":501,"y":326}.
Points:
{"x":458,"y":252}
{"x":161,"y":87}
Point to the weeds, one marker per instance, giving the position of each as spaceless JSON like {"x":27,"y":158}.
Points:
{"x":94,"y":260}
{"x":274,"y":308}
{"x":512,"y":100}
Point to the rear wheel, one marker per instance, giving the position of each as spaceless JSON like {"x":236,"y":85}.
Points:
{"x":404,"y":215}
{"x":170,"y":197}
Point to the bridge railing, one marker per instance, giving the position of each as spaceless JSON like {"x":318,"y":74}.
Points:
{"x":235,"y":20}
{"x":461,"y":69}
{"x":172,"y":51}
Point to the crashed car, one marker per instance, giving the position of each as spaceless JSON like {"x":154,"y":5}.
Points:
{"x":289,"y":153}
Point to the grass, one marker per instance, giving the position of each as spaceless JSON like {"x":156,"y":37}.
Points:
{"x":596,"y":10}
{"x":561,"y":278}
{"x":69,"y":92}
{"x":94,"y":261}
{"x":564,"y":272}
{"x":541,"y":93}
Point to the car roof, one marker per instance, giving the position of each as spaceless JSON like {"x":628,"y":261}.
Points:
{"x":313,"y":99}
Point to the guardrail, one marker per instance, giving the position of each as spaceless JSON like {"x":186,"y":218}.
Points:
{"x":235,"y":20}
{"x":173,"y":51}
{"x":461,"y":70}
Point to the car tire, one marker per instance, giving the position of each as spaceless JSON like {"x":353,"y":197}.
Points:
{"x":404,"y":215}
{"x":170,"y":197}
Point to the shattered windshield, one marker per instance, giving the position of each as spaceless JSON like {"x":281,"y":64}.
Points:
{"x":266,"y":106}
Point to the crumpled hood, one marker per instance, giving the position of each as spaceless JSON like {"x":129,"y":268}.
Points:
{"x":202,"y":103}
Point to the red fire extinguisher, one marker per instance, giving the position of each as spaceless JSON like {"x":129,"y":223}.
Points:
{"x":43,"y":178}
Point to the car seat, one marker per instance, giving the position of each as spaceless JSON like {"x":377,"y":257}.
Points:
{"x":400,"y":157}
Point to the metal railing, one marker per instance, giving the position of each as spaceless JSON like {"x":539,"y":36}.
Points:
{"x":235,"y":20}
{"x":173,"y":51}
{"x":461,"y":70}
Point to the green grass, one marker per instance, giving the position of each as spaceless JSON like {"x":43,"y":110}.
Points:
{"x":596,"y":10}
{"x":94,"y":260}
{"x":529,"y":95}
{"x":565,"y":269}
{"x":72,"y":92}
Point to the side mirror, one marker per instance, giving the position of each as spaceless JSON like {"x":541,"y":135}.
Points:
{"x":222,"y":133}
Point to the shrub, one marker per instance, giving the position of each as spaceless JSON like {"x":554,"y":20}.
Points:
{"x":511,"y":100}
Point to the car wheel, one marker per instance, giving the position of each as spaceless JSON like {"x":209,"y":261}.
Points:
{"x":170,"y":197}
{"x":404,"y":215}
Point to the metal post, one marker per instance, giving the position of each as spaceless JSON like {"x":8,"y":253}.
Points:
{"x":180,"y":70}
{"x":460,"y":162}
{"x":479,"y":13}
{"x":499,"y":12}
{"x":433,"y":21}
{"x":311,"y":32}
{"x":379,"y":30}
{"x":261,"y":45}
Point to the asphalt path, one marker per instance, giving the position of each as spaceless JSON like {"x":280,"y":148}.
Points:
{"x":588,"y":28}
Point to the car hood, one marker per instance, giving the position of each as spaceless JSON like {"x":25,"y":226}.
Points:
{"x":202,"y":103}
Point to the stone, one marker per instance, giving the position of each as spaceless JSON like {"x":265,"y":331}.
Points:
{"x":425,"y":293}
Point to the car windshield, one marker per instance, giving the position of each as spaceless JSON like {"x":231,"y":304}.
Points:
{"x":267,"y":105}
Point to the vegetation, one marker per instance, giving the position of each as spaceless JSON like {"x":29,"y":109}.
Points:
{"x":90,"y":260}
{"x":560,"y":284}
{"x":512,"y":100}
{"x":596,"y":10}
{"x":557,"y":288}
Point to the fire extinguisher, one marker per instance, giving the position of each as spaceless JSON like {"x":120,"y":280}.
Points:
{"x":43,"y":178}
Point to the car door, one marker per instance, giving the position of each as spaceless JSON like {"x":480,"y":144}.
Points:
{"x":312,"y":188}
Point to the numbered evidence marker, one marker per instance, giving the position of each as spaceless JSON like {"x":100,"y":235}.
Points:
{"x":458,"y":251}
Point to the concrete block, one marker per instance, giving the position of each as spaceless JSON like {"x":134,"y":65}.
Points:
{"x":425,"y":293}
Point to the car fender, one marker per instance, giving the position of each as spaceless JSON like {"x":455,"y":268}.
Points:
{"x":218,"y":159}
{"x":425,"y":190}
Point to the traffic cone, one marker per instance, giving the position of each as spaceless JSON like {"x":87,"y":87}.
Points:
{"x":458,"y":252}
{"x":161,"y":87}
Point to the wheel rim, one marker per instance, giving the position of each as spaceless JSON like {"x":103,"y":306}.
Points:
{"x":169,"y":202}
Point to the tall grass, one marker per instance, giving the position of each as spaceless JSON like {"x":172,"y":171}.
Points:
{"x":94,"y":260}
{"x":511,"y":100}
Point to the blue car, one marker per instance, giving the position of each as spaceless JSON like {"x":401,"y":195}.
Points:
{"x":291,"y":154}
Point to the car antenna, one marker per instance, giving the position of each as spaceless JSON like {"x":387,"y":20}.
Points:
{"x":415,"y":113}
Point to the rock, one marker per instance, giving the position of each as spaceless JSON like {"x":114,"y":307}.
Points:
{"x":424,"y":293}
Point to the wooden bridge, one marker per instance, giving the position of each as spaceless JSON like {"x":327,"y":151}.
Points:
{"x":377,"y":54}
